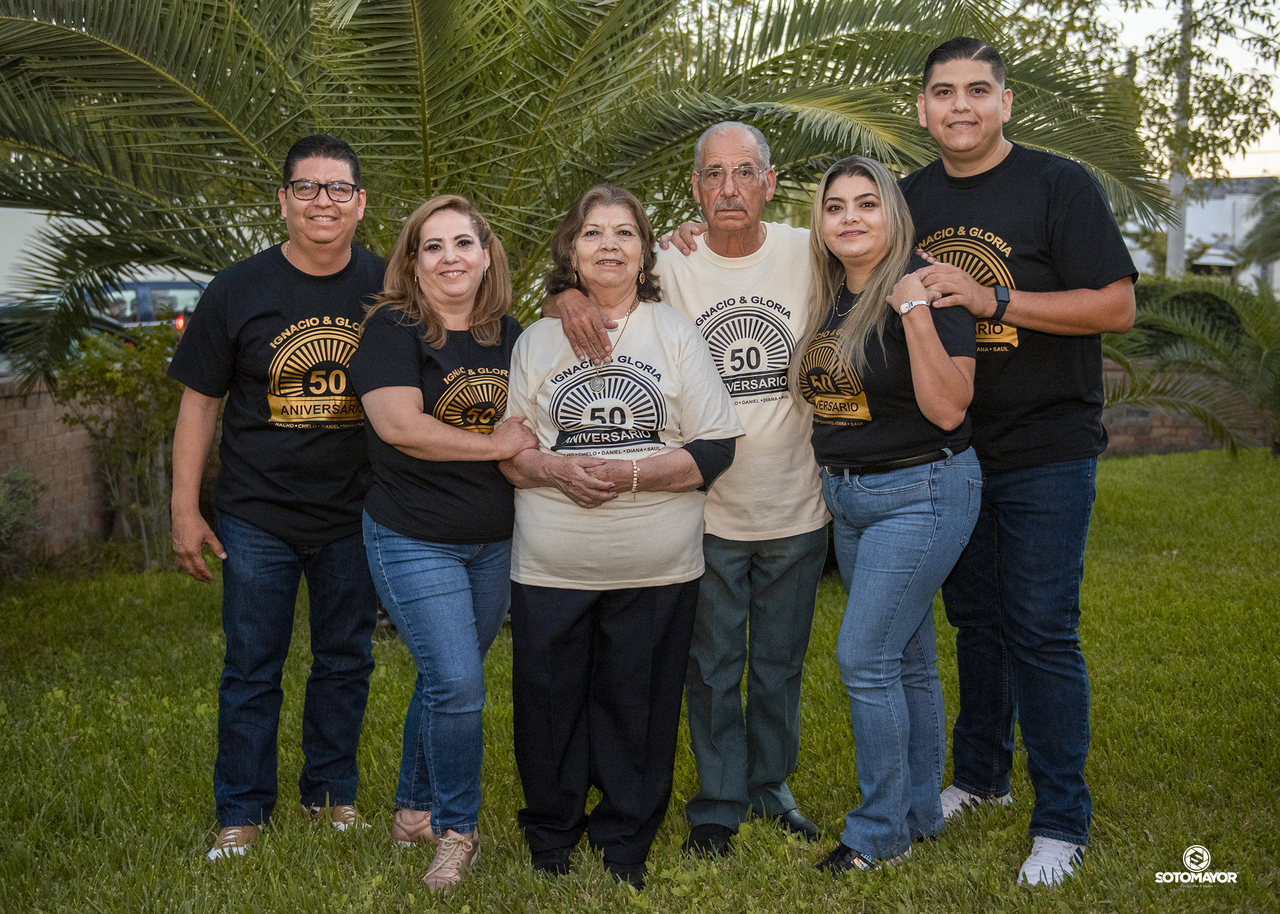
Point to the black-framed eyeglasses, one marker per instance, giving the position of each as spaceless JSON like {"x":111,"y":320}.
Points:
{"x":714,"y":176}
{"x":338,"y":191}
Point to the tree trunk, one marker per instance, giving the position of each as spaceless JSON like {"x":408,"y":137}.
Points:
{"x":1176,"y":264}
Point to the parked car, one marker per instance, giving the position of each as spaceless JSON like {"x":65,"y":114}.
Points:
{"x":153,"y":302}
{"x":10,"y":322}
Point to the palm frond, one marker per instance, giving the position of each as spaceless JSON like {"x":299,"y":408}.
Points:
{"x":157,"y":126}
{"x":1221,"y":410}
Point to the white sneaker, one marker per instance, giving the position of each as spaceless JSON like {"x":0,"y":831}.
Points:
{"x":954,"y":800}
{"x":1051,"y":862}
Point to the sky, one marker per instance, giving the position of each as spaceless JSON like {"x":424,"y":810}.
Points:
{"x":1264,"y":157}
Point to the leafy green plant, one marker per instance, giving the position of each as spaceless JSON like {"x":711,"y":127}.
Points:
{"x":1241,"y":352}
{"x":121,"y":395}
{"x":18,"y":493}
{"x":1262,"y":244}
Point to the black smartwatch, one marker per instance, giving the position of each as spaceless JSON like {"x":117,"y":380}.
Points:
{"x":1002,"y":302}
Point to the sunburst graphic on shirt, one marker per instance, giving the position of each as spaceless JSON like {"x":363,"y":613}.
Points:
{"x":831,"y":385}
{"x":308,"y":383}
{"x":984,"y":263}
{"x":751,"y":348}
{"x":627,"y":411}
{"x":474,"y":402}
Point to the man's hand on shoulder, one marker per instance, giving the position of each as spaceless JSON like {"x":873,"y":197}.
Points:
{"x":683,"y":237}
{"x":949,"y":285}
{"x":584,"y":323}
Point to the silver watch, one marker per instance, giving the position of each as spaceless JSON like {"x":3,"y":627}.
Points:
{"x":908,"y":305}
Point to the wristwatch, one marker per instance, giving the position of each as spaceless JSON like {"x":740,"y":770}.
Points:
{"x":1002,"y":302}
{"x":908,"y":305}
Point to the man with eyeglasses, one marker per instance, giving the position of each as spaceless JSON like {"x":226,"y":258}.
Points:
{"x":274,"y":335}
{"x":746,"y":288}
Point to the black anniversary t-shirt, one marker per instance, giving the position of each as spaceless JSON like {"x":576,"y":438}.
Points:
{"x":1039,"y":223}
{"x":859,"y":420}
{"x":278,"y":342}
{"x":463,"y":384}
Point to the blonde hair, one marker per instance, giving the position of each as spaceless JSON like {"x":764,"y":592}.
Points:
{"x":402,"y":292}
{"x":870,"y":311}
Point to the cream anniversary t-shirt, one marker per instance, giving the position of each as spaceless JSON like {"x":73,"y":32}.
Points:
{"x":660,"y":392}
{"x":751,"y":310}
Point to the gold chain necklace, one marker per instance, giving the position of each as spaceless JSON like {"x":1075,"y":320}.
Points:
{"x":597,"y":383}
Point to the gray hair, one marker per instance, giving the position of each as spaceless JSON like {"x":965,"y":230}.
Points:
{"x":762,"y":145}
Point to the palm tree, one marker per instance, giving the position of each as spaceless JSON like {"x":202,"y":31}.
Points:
{"x":1202,"y":365}
{"x":1262,"y":244}
{"x":154,"y":128}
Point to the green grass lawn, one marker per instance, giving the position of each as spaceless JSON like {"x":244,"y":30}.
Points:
{"x":108,"y":720}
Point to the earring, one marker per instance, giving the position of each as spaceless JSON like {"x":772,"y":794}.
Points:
{"x":576,"y":281}
{"x":640,"y":281}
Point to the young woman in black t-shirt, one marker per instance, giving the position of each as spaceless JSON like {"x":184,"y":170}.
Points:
{"x":431,"y":372}
{"x":890,"y":379}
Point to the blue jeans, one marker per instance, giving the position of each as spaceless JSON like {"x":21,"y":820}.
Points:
{"x":260,"y":578}
{"x":448,"y":603}
{"x":755,"y":612}
{"x":1014,"y":598}
{"x":897,"y":535}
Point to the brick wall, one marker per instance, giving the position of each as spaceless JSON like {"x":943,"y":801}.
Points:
{"x":1148,"y":431}
{"x":72,"y":506}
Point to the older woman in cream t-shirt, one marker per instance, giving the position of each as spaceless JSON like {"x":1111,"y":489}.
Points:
{"x":607,"y":552}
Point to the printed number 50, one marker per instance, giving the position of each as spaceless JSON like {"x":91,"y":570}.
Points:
{"x":335,"y":382}
{"x":737,"y":361}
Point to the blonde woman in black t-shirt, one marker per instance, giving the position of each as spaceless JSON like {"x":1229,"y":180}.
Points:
{"x":431,"y":373}
{"x":890,"y":380}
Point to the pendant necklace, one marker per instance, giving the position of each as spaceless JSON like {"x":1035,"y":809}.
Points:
{"x":596,"y":384}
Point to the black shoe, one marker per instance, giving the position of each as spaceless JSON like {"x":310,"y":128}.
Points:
{"x":796,"y":823}
{"x":553,"y":862}
{"x":630,"y":873}
{"x":709,"y":840}
{"x":843,"y":859}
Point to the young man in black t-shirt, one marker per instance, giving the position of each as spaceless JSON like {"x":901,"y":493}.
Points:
{"x":274,"y":334}
{"x":1026,"y":242}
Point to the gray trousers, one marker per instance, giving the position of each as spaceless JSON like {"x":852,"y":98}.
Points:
{"x":755,"y":612}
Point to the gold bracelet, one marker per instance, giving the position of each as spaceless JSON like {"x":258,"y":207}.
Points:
{"x":635,"y":478}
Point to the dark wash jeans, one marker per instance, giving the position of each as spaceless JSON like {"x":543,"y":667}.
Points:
{"x":1014,"y":598}
{"x":260,"y":578}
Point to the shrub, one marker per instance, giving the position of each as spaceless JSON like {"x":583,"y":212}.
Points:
{"x":122,"y":396}
{"x":18,"y":493}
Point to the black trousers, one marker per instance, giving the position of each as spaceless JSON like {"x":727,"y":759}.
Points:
{"x":596,"y":687}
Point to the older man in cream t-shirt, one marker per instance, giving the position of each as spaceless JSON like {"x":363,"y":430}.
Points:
{"x":746,"y":289}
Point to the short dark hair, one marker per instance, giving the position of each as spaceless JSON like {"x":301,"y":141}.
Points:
{"x":562,"y":276}
{"x":325,"y":146}
{"x":962,"y":48}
